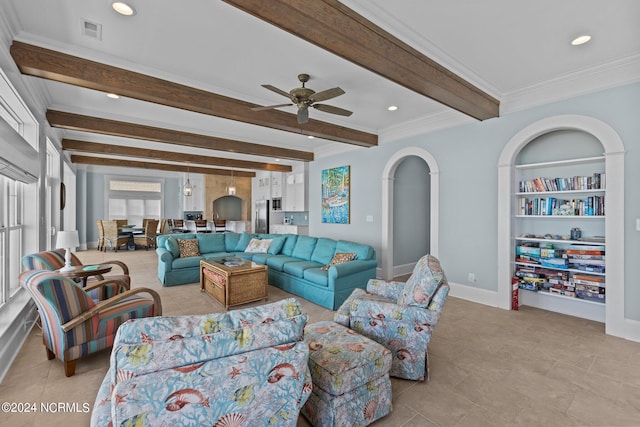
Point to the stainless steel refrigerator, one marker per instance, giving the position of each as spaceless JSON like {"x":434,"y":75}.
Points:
{"x":262,"y":216}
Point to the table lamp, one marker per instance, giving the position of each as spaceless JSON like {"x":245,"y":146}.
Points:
{"x":67,"y":240}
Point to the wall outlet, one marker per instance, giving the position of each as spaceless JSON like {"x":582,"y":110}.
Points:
{"x":369,"y":218}
{"x":471,"y":277}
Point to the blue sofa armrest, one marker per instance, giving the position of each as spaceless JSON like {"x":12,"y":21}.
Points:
{"x":351,"y":267}
{"x":165,"y":259}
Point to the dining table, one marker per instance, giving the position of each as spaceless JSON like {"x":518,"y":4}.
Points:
{"x":131,"y":230}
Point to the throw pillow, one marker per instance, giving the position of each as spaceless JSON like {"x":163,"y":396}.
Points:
{"x":172,"y":246}
{"x":340,"y":258}
{"x":276,"y":245}
{"x":259,"y":246}
{"x":188,"y":247}
{"x":424,"y":282}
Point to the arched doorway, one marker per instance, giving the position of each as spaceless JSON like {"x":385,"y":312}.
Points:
{"x":614,"y":222}
{"x":388,"y":175}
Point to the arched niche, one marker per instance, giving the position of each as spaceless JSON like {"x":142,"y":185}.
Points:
{"x":228,"y":207}
{"x":614,"y":221}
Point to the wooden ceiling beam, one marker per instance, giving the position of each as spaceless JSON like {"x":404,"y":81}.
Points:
{"x":78,"y":122}
{"x":341,"y":31}
{"x":49,"y":64}
{"x":128,"y":151}
{"x":102,"y":161}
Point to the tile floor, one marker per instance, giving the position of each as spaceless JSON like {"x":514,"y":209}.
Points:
{"x":489,"y":367}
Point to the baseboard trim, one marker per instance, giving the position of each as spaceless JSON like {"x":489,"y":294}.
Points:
{"x":479,"y":295}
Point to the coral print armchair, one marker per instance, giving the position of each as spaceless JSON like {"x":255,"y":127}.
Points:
{"x":400,"y":316}
{"x":241,"y":368}
{"x":73,"y":324}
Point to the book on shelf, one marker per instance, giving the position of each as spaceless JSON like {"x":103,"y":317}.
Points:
{"x":589,"y":268}
{"x":540,"y":184}
{"x":552,"y":206}
{"x":588,"y":277}
{"x":586,"y":261}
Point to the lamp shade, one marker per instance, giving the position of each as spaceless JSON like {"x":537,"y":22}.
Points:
{"x":67,"y":239}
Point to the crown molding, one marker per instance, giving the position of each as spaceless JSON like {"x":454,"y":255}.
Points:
{"x":615,"y":73}
{"x":433,"y":122}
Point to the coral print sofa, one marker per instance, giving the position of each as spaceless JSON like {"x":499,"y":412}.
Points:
{"x":242,"y":368}
{"x":321,"y":270}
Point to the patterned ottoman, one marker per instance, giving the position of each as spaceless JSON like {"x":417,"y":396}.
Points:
{"x":350,"y":377}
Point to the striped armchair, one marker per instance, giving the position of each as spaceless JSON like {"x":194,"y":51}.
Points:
{"x":73,"y":324}
{"x":54,"y":260}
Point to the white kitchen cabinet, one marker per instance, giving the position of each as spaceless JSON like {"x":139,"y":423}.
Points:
{"x":302,"y":230}
{"x":296,"y":185}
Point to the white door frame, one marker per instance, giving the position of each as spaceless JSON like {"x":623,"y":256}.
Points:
{"x":388,"y":176}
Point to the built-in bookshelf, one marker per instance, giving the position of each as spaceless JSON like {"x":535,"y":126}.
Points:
{"x":559,"y":260}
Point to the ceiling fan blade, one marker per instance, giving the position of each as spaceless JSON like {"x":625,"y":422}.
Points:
{"x":303,"y":115}
{"x":333,"y":110}
{"x":276,"y":90}
{"x":323,"y":95}
{"x":269,"y":107}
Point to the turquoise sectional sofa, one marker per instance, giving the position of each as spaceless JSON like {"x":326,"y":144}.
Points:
{"x":295,"y":263}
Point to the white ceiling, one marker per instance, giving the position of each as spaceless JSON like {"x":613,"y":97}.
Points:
{"x":517,"y":51}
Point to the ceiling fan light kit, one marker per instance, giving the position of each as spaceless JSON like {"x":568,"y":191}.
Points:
{"x":304,"y":97}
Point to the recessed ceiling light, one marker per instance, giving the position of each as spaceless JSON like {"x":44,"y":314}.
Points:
{"x":310,"y":136}
{"x":392,"y":108}
{"x":580,"y":40}
{"x":113,"y":96}
{"x":276,"y":160}
{"x":123,"y":8}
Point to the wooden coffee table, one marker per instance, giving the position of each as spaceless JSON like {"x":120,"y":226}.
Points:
{"x":233,"y":281}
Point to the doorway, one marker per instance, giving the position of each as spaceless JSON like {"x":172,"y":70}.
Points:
{"x":429,"y":222}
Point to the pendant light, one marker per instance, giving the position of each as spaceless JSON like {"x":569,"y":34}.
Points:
{"x":188,"y":188}
{"x":231,"y":190}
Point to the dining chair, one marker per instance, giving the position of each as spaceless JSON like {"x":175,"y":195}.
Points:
{"x":178,"y":226}
{"x":112,"y":235}
{"x":73,"y":324}
{"x":122,"y":222}
{"x":220,"y":225}
{"x":201,"y":226}
{"x":150,"y":233}
{"x":100,"y":234}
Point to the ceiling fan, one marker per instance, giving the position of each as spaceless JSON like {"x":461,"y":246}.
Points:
{"x":304,"y":98}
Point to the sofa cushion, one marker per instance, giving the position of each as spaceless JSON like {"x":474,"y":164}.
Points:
{"x":261,"y":258}
{"x":297,"y":268}
{"x":230,"y":241}
{"x":361,"y":251}
{"x":424,"y":282}
{"x":340,"y":258}
{"x":215,"y":255}
{"x":323,"y":252}
{"x":276,"y":245}
{"x":277,"y":262}
{"x":317,"y":276}
{"x":188,"y":247}
{"x":211,"y":242}
{"x":244,"y":240}
{"x":304,"y":247}
{"x":289,"y":244}
{"x":258,"y":246}
{"x":172,"y":246}
{"x":188,"y":262}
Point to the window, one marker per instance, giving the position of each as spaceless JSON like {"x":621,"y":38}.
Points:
{"x":11,"y":230}
{"x":134,"y":200}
